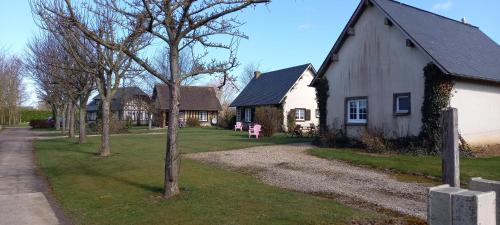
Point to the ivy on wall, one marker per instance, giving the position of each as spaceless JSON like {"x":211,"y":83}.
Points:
{"x":322,"y":94}
{"x":437,"y":94}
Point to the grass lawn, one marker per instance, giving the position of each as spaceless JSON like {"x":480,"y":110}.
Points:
{"x":126,"y":187}
{"x":488,"y":168}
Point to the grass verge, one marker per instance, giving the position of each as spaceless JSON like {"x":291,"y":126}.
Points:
{"x":430,"y":166}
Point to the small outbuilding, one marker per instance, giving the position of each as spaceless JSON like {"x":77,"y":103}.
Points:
{"x":195,"y":102}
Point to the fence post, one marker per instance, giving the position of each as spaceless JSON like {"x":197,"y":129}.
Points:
{"x":450,"y":152}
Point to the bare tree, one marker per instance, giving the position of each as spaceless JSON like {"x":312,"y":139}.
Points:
{"x":108,"y":66}
{"x":80,"y":61}
{"x":51,"y":69}
{"x":248,"y":74}
{"x":225,"y":94}
{"x":194,"y":26}
{"x":10,"y":88}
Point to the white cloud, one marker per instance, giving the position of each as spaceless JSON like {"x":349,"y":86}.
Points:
{"x":443,"y":5}
{"x":304,"y":26}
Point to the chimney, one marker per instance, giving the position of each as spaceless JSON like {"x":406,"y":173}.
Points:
{"x":257,"y":74}
{"x":464,"y":20}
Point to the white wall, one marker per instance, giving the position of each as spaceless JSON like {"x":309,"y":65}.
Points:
{"x":375,"y":62}
{"x":478,"y":107}
{"x":302,"y":96}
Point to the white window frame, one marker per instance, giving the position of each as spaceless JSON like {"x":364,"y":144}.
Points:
{"x":358,"y":119}
{"x":397,"y":97}
{"x":300,"y":114}
{"x":248,"y":115}
{"x":203,"y":115}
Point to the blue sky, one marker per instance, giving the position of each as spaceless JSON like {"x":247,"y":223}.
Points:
{"x":282,"y":34}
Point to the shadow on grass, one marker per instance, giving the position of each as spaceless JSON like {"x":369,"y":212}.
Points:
{"x":79,"y":169}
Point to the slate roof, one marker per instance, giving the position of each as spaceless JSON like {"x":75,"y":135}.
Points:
{"x":457,"y":48}
{"x":116,"y":102}
{"x":193,"y":98}
{"x":270,"y":88}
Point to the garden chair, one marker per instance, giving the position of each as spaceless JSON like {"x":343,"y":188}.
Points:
{"x":182,"y":123}
{"x":254,"y":131}
{"x":297,"y":131}
{"x":238,"y":126}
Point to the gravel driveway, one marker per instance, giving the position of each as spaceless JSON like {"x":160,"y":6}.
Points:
{"x":290,"y":167}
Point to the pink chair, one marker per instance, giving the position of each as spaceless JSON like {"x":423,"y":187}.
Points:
{"x":255,"y":131}
{"x":238,"y":126}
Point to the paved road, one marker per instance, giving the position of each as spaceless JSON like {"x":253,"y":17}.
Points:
{"x":290,"y":167}
{"x":22,"y":199}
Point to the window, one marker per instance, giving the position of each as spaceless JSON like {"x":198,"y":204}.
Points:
{"x":317,"y":113}
{"x":402,"y":104}
{"x":203,"y":116}
{"x":300,"y":114}
{"x":357,"y":111}
{"x":248,"y":115}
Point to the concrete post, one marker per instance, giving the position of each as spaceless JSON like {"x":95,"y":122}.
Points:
{"x":439,"y":204}
{"x":450,"y":153}
{"x":473,"y":208}
{"x":479,"y":184}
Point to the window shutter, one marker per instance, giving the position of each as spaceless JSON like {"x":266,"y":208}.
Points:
{"x":242,"y":114}
{"x":308,"y":115}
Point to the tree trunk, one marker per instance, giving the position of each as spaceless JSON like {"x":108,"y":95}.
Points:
{"x":150,"y":121}
{"x":82,"y":137}
{"x":105,"y":150}
{"x":63,"y":113}
{"x":172,"y":159}
{"x":68,"y":117}
{"x":172,"y":156}
{"x":57,"y":124}
{"x":71,"y":116}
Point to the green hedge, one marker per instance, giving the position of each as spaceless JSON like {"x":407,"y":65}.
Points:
{"x":34,"y":114}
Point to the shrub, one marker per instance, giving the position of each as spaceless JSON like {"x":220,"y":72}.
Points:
{"x":333,"y":139}
{"x":290,"y":121}
{"x":193,"y":122}
{"x":115,"y":127}
{"x":269,"y":118}
{"x":35,"y":114}
{"x":128,"y":122}
{"x":374,"y":141}
{"x":43,"y":123}
{"x":228,"y":120}
{"x":464,"y":147}
{"x":409,"y":145}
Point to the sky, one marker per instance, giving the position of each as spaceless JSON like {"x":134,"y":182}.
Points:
{"x":281,"y":34}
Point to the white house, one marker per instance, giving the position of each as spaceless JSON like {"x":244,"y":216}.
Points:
{"x":286,"y":88}
{"x":376,"y":78}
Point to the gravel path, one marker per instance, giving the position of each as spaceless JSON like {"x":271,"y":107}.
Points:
{"x":290,"y":167}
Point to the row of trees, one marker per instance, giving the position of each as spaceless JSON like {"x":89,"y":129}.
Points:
{"x":110,"y":39}
{"x":11,"y":94}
